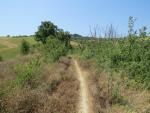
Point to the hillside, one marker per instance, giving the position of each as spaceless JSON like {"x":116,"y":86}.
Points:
{"x":9,"y":47}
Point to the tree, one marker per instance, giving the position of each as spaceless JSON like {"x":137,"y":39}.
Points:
{"x":48,"y":30}
{"x":45,"y":30}
{"x":64,"y":37}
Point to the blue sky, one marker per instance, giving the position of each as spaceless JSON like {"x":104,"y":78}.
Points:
{"x":22,"y":17}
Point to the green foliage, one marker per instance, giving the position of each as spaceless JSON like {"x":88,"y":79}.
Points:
{"x":26,"y":74}
{"x":54,"y":49}
{"x":46,"y":29}
{"x":136,"y":63}
{"x":131,"y":55}
{"x":56,"y":42}
{"x":143,"y":33}
{"x":25,"y":47}
{"x":64,"y":37}
{"x":100,"y":51}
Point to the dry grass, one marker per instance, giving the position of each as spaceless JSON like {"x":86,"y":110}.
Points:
{"x":102,"y":87}
{"x":7,"y":71}
{"x":57,"y":91}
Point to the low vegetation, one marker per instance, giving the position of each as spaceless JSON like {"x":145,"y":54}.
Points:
{"x":42,"y":78}
{"x":42,"y":81}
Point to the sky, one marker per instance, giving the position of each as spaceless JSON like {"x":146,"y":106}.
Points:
{"x":22,"y":17}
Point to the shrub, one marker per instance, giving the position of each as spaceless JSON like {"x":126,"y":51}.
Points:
{"x":25,"y":74}
{"x":54,"y":49}
{"x":25,"y":47}
{"x":1,"y":58}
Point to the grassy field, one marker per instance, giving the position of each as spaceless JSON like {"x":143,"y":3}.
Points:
{"x":9,"y":47}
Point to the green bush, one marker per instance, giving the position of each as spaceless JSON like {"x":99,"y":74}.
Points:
{"x":25,"y":47}
{"x":26,"y":74}
{"x":54,"y":49}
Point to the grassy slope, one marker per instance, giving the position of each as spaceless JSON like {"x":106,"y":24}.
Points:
{"x":6,"y":52}
{"x":2,"y":46}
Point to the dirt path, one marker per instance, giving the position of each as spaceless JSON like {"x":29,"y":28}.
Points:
{"x":84,"y":104}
